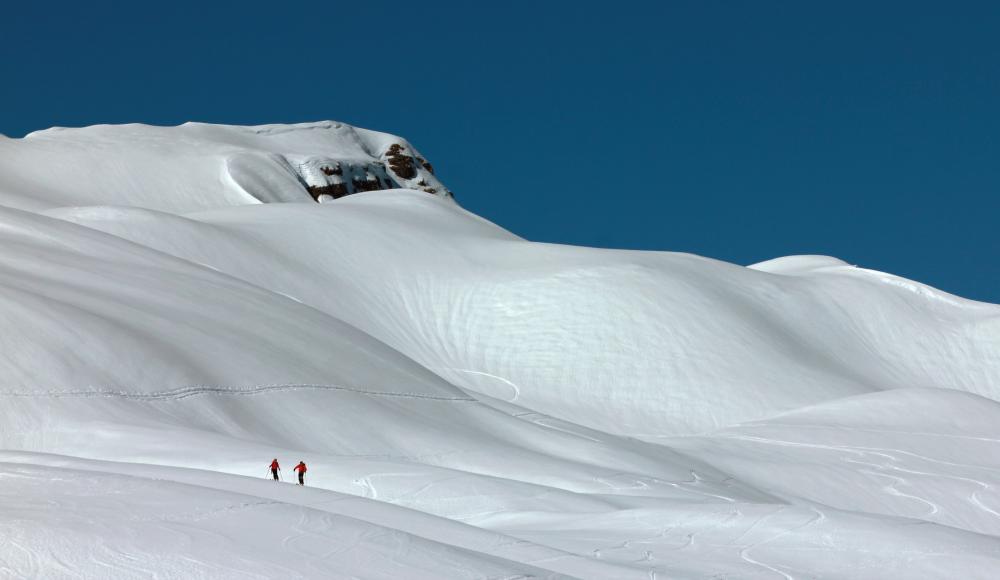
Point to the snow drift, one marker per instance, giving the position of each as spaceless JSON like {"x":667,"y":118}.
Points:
{"x":178,"y":310}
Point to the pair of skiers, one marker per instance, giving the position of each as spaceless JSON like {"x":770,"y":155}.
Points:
{"x":301,"y":468}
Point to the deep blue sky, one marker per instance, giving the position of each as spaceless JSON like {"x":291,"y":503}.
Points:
{"x":736,"y":130}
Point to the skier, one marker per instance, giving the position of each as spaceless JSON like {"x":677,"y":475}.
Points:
{"x":275,"y":468}
{"x":301,"y":468}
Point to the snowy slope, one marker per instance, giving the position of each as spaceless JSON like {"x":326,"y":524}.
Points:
{"x":71,"y":522}
{"x":891,"y":453}
{"x":178,"y":310}
{"x":668,"y":343}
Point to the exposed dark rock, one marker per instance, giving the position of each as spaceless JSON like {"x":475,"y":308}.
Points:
{"x":401,"y":164}
{"x":426,"y":164}
{"x":366,"y":185}
{"x":395,"y":170}
{"x":335,"y":190}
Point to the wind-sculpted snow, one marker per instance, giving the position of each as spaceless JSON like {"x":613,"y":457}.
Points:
{"x":470,"y":404}
{"x":895,"y":453}
{"x":644,"y":344}
{"x":89,"y":524}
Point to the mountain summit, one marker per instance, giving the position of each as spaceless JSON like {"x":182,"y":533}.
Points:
{"x":198,"y":166}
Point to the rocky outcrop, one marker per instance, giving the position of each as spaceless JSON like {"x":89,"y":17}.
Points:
{"x":398,"y":166}
{"x":412,"y":169}
{"x":197,"y":166}
{"x":326,"y":179}
{"x":402,"y":164}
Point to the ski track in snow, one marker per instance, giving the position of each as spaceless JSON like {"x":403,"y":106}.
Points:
{"x":515,"y":390}
{"x":194,"y":391}
{"x":744,"y":553}
{"x":891,"y":465}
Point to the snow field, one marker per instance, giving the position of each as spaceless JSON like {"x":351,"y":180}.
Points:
{"x":177,"y":310}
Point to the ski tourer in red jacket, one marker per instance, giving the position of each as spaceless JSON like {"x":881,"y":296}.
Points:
{"x":302,"y":469}
{"x":275,"y":468}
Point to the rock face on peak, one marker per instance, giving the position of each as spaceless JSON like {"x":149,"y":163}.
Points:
{"x":198,"y":166}
{"x":398,"y":166}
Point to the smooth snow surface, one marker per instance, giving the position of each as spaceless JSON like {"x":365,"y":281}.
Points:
{"x":178,"y":310}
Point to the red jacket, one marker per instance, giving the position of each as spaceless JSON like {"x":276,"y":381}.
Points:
{"x":274,"y":464}
{"x":301,"y":467}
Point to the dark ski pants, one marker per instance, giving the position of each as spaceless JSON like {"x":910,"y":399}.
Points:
{"x":302,"y":478}
{"x":274,"y":472}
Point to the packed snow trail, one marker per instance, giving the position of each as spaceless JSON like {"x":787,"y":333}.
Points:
{"x":194,"y":391}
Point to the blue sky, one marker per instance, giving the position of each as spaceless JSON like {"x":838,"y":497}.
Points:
{"x":741,"y":131}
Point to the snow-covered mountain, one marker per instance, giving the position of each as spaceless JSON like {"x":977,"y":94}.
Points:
{"x":178,"y":310}
{"x":198,"y":166}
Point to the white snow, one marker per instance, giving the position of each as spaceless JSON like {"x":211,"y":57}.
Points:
{"x":470,"y":404}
